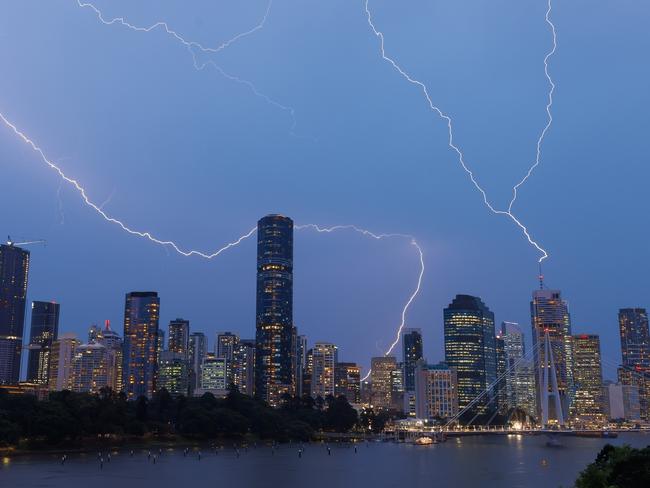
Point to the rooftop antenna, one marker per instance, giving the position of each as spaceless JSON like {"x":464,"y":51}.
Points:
{"x":541,"y":277}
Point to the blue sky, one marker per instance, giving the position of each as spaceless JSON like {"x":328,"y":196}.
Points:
{"x":196,"y":158}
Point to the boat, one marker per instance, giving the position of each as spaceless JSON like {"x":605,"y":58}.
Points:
{"x":423,"y":441}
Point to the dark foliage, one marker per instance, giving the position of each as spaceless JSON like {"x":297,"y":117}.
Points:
{"x":617,"y":467}
{"x":67,"y":417}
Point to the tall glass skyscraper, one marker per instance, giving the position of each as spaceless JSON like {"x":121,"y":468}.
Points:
{"x":14,"y":268}
{"x":44,"y":331}
{"x":520,"y":381}
{"x":141,"y":313}
{"x":412,"y":351}
{"x":179,"y":337}
{"x":635,"y":348}
{"x":470,"y":350}
{"x":550,"y":314}
{"x":274,"y":317}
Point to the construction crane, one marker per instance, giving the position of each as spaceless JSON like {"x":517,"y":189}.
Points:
{"x":26,"y":243}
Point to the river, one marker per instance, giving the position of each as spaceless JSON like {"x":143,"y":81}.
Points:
{"x":485,"y":461}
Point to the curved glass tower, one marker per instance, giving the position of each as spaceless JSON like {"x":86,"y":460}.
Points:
{"x":274,"y":316}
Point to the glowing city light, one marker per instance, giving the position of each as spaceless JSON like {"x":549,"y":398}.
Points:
{"x":461,"y":158}
{"x":210,"y":255}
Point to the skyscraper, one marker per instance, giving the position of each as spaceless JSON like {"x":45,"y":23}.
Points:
{"x":550,"y":315}
{"x":173,"y":373}
{"x":588,"y":379}
{"x":470,"y":350}
{"x":14,"y":269}
{"x":198,"y":349}
{"x":244,"y":366}
{"x":301,"y":364}
{"x":635,"y":348}
{"x":520,"y":380}
{"x":141,"y":313}
{"x":225,"y":345}
{"x":274,"y":315}
{"x":324,"y":359}
{"x":412,"y":350}
{"x":91,"y":368}
{"x":382,"y":376}
{"x":112,"y":341}
{"x":502,"y":367}
{"x":179,"y":336}
{"x":436,"y":391}
{"x":44,"y":331}
{"x":61,"y":359}
{"x":347,"y":377}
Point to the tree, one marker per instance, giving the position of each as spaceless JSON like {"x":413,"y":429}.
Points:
{"x":617,"y":467}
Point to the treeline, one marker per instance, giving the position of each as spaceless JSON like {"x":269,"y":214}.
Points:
{"x":69,"y":418}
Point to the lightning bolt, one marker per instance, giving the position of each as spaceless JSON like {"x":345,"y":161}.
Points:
{"x":461,"y":158}
{"x":82,"y":192}
{"x":193,"y":46}
{"x":418,"y":285}
{"x":210,"y":255}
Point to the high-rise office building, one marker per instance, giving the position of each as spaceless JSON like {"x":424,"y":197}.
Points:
{"x":173,"y":373}
{"x":382,"y":376}
{"x":141,"y":314}
{"x":179,"y":337}
{"x":214,"y":373}
{"x":436,"y":392}
{"x":14,"y":269}
{"x":244,"y":366}
{"x":520,"y":379}
{"x":61,"y":359}
{"x":588,"y":379}
{"x":470,"y":350}
{"x":412,"y":353}
{"x":160,"y":342}
{"x":307,"y":374}
{"x":635,"y":349}
{"x":274,"y":315}
{"x":550,"y":315}
{"x":502,"y":368}
{"x":347,"y":377}
{"x":301,"y":363}
{"x":324,"y":359}
{"x":112,"y":341}
{"x":44,"y":331}
{"x":198,"y":349}
{"x":225,"y":345}
{"x":92,"y":368}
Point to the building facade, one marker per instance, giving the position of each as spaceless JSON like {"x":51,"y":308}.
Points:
{"x":324,"y":359}
{"x":173,"y":373}
{"x":14,"y":270}
{"x":471,"y":351}
{"x":382,"y":376}
{"x":588,"y":380}
{"x":347,"y":378}
{"x":635,"y":349}
{"x":92,"y":368}
{"x":436,"y":392}
{"x":244,"y":366}
{"x":550,"y":315}
{"x":61,"y":362}
{"x":198,"y":350}
{"x":141,"y":341}
{"x":178,"y":341}
{"x":43,"y":332}
{"x":412,"y":353}
{"x":274,"y":363}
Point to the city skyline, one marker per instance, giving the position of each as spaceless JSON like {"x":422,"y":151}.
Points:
{"x":499,"y":266}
